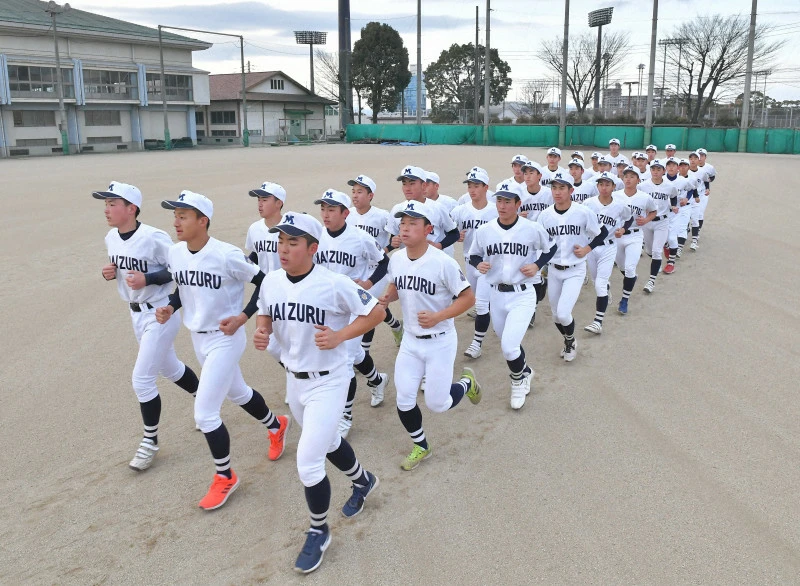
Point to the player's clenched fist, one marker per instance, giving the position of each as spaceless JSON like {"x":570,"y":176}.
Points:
{"x":229,"y":325}
{"x":110,"y":272}
{"x":164,"y":313}
{"x":428,"y":319}
{"x":261,"y":339}
{"x":326,"y":338}
{"x":529,"y":270}
{"x":483,"y":267}
{"x":619,"y":232}
{"x":135,"y":280}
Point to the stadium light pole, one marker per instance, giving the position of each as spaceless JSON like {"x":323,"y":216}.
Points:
{"x":648,"y":124}
{"x":487,"y":75}
{"x":599,"y":18}
{"x":562,"y":117}
{"x":53,"y":9}
{"x":167,"y":141}
{"x":640,"y":67}
{"x":419,"y":61}
{"x":310,"y":38}
{"x":751,"y":39}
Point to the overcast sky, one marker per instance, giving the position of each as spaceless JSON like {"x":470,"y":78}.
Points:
{"x":268,"y":26}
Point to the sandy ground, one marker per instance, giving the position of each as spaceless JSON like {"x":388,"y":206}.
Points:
{"x":667,"y":453}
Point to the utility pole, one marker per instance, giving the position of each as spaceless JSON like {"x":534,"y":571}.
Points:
{"x":742,"y":147}
{"x":477,"y":68}
{"x":419,"y":61}
{"x":598,"y":18}
{"x":648,"y":125}
{"x":167,"y":139}
{"x":53,"y":9}
{"x":562,"y":118}
{"x":629,"y":84}
{"x":678,"y":108}
{"x":245,"y":132}
{"x":640,"y":67}
{"x":487,"y":73}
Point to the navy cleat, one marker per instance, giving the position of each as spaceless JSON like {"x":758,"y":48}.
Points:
{"x":355,"y":504}
{"x":623,"y":306}
{"x":313,"y":551}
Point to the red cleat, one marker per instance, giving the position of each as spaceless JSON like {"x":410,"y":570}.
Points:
{"x":669,"y":269}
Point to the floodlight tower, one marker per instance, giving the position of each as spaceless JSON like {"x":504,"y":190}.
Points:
{"x":310,"y":38}
{"x":599,"y":18}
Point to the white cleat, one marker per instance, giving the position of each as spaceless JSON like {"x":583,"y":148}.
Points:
{"x":693,"y":247}
{"x":594,"y":327}
{"x":378,"y":391}
{"x":650,"y":286}
{"x":570,"y":351}
{"x":143,"y":458}
{"x":345,"y":423}
{"x":680,"y":252}
{"x":520,"y":390}
{"x":474,"y":350}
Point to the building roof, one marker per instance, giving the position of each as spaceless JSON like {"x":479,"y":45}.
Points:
{"x":228,"y":86}
{"x":30,"y":15}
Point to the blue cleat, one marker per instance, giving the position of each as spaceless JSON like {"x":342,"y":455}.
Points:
{"x":313,"y":551}
{"x":623,"y":306}
{"x":355,"y":504}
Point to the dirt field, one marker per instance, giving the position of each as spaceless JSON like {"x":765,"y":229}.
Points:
{"x":667,"y":453}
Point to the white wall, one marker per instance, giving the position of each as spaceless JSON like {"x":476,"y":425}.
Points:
{"x":288,"y":87}
{"x":13,"y":132}
{"x":124,"y":130}
{"x":153,"y":124}
{"x":200,"y":89}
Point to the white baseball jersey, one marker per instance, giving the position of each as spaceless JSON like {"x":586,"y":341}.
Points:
{"x":264,"y":244}
{"x":506,"y":250}
{"x":695,"y":181}
{"x":373,"y":223}
{"x":708,"y":171}
{"x":441,"y":220}
{"x":353,"y":252}
{"x":575,"y":226}
{"x":612,"y":216}
{"x":146,"y":251}
{"x":468,"y":219}
{"x":643,"y":175}
{"x":661,"y":193}
{"x":513,"y":181}
{"x":448,"y":202}
{"x":640,"y":203}
{"x":536,"y":203}
{"x":428,"y":283}
{"x":210,"y":282}
{"x":588,"y":175}
{"x":614,"y":161}
{"x":547,"y":175}
{"x":321,"y":298}
{"x":682,"y":184}
{"x":465,"y":198}
{"x":584,"y":191}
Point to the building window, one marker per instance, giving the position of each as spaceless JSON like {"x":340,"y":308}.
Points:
{"x":110,"y":85}
{"x":102,"y":118}
{"x":201,"y":133}
{"x":276,"y":84}
{"x":223,"y":117}
{"x":199,"y":117}
{"x":34,"y":142}
{"x":103,"y":139}
{"x":34,"y":118}
{"x":223,"y":133}
{"x":331,"y":110}
{"x":39,"y":82}
{"x":179,"y":87}
{"x":255,"y":132}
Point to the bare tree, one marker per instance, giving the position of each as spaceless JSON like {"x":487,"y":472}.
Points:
{"x":714,"y":55}
{"x":581,"y":73}
{"x":534,"y":93}
{"x":326,"y":67}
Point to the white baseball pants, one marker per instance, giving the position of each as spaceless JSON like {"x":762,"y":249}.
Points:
{"x":655,"y":236}
{"x":601,"y":262}
{"x":511,"y":314}
{"x":156,"y":351}
{"x":629,"y":251}
{"x":432,"y":358}
{"x":563,"y":288}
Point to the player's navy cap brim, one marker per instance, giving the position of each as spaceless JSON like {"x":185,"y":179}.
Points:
{"x":630,"y":171}
{"x":411,"y":177}
{"x":657,"y":165}
{"x":260,"y":193}
{"x":560,"y":181}
{"x":289,"y":230}
{"x":330,"y":202}
{"x":174,"y":205}
{"x":410,"y":214}
{"x":474,"y":181}
{"x":506,"y":195}
{"x":354,"y":182}
{"x":106,"y":195}
{"x":609,"y":179}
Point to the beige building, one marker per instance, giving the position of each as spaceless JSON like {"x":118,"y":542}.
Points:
{"x":111,"y":79}
{"x":278,"y":110}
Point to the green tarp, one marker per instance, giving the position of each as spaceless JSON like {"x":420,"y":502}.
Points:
{"x":759,"y":140}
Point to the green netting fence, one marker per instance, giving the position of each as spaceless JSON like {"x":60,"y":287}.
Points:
{"x":759,"y":140}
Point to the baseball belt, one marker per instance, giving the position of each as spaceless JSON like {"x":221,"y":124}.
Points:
{"x":208,"y":332}
{"x":139,"y":307}
{"x":429,"y":336}
{"x":503,"y":288}
{"x":563,"y":267}
{"x":308,"y":375}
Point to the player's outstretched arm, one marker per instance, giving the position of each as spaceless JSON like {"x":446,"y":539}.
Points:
{"x":327,"y":339}
{"x":263,"y":331}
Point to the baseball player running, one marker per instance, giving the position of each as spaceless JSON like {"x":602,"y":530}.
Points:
{"x":469,"y":217}
{"x":535,"y":199}
{"x":137,"y":259}
{"x":656,"y":231}
{"x":614,"y":155}
{"x":582,"y":190}
{"x":517,"y":174}
{"x":639,"y":161}
{"x":553,"y":160}
{"x":210,"y":277}
{"x":432,"y":291}
{"x":432,"y":192}
{"x":373,"y":221}
{"x":310,"y":310}
{"x":507,"y":252}
{"x":678,"y":220}
{"x":576,"y":232}
{"x":605,"y":166}
{"x":709,"y":174}
{"x":650,"y":152}
{"x":629,"y":246}
{"x":352,"y":252}
{"x":694,"y":187}
{"x":616,"y":217}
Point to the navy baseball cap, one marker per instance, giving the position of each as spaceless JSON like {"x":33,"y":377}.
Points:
{"x":604,"y":176}
{"x":268,"y":188}
{"x":334,"y":198}
{"x":363,"y":181}
{"x":117,"y":190}
{"x":189,"y":200}
{"x":630,"y":169}
{"x":414,"y":209}
{"x":508,"y":190}
{"x":564,"y":178}
{"x":412,"y":172}
{"x":298,"y":224}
